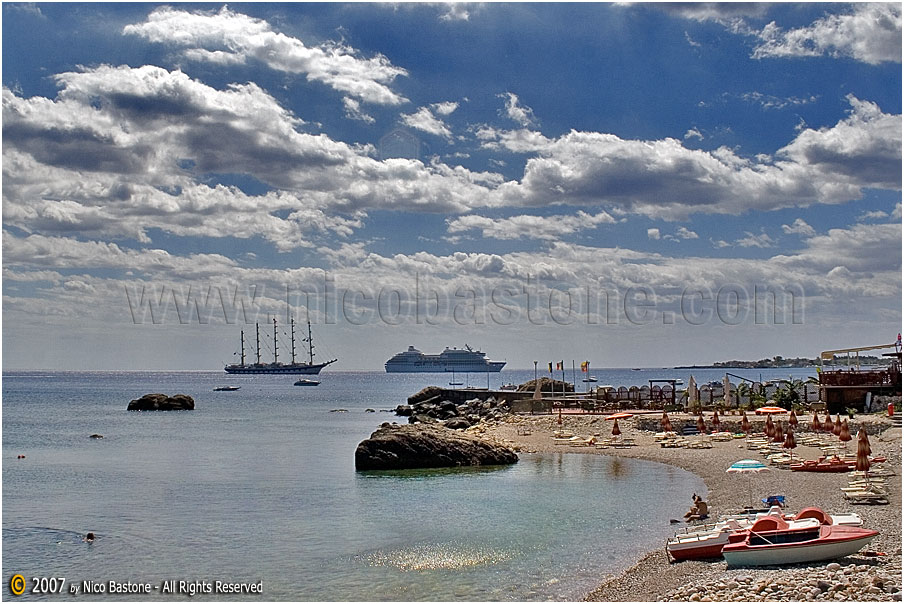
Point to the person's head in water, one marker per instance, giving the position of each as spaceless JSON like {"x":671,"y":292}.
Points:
{"x":89,"y":537}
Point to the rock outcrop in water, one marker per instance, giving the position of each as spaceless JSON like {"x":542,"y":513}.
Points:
{"x":162,"y":402}
{"x":435,"y":408}
{"x":547,"y":385}
{"x":401,"y":447}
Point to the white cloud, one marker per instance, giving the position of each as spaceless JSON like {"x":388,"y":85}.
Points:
{"x":685,"y":233}
{"x":353,"y":111}
{"x":455,"y":11}
{"x":872,"y":215}
{"x":799,"y":227}
{"x":664,"y":179}
{"x":762,"y":240}
{"x":693,"y":133}
{"x":424,"y":120}
{"x":653,"y":234}
{"x":870,"y":33}
{"x":528,"y":226}
{"x":897,"y":211}
{"x":444,"y":108}
{"x":523,"y":116}
{"x":226,"y":36}
{"x":768,"y":101}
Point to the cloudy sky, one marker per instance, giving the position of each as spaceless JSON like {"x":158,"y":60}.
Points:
{"x":630,"y":184}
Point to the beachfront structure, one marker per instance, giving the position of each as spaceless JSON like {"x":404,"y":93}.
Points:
{"x":854,"y":387}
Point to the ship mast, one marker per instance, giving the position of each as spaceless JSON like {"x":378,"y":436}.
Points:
{"x":293,"y":341}
{"x":275,"y":344}
{"x":257,"y":341}
{"x":243,"y":347}
{"x":310,"y":344}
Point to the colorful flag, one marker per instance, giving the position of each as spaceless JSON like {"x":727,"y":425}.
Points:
{"x":584,"y":366}
{"x":560,"y":365}
{"x":550,"y":367}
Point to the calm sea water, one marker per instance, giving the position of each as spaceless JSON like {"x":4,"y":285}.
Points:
{"x":259,"y":485}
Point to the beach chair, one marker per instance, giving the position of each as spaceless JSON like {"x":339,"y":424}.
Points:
{"x":771,"y":500}
{"x":867,"y":497}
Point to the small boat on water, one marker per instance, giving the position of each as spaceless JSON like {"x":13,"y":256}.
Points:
{"x":226,"y":388}
{"x":773,"y":541}
{"x":592,"y":378}
{"x":509,"y":386}
{"x":707,"y":541}
{"x":304,"y":382}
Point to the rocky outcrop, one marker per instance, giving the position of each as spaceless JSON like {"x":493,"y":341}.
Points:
{"x":472,"y":411}
{"x":547,"y":385}
{"x":399,"y":447}
{"x":162,"y":402}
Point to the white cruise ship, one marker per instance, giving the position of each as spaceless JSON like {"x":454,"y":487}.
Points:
{"x":462,"y":360}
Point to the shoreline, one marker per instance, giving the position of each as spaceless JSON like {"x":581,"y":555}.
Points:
{"x":653,"y":578}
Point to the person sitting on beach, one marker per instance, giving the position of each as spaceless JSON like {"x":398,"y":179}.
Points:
{"x":699,"y":510}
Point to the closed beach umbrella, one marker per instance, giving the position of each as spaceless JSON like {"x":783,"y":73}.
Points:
{"x":790,"y":443}
{"x":691,"y":393}
{"x":836,"y":427}
{"x":779,"y":435}
{"x":748,"y":466}
{"x":715,"y":421}
{"x":845,"y":435}
{"x":726,"y":390}
{"x":863,"y":453}
{"x":792,"y":421}
{"x":615,"y":429}
{"x":816,"y":425}
{"x":827,"y":425}
{"x":664,"y":423}
{"x":745,"y":423}
{"x":701,"y":425}
{"x":770,"y":427}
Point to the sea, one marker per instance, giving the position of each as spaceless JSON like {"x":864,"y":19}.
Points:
{"x":257,"y":487}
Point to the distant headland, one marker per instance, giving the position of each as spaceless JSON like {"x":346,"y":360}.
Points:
{"x":779,"y":362}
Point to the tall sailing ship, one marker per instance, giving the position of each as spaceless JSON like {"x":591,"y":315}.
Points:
{"x":293,"y":368}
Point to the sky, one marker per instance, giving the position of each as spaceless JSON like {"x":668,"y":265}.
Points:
{"x":627,"y":184}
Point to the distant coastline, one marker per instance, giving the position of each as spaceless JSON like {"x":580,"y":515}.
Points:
{"x":781,"y":363}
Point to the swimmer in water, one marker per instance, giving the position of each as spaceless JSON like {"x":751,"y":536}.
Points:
{"x":89,"y":538}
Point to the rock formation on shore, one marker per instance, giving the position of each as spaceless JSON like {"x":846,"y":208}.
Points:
{"x":399,"y":447}
{"x":433,"y":408}
{"x":162,"y":402}
{"x":547,"y":385}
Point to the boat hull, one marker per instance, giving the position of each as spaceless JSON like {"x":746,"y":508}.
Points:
{"x":833,"y":542}
{"x":489,"y":367}
{"x":280,"y":369}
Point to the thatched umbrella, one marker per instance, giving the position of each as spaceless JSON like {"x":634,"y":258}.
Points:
{"x":845,"y":435}
{"x":827,"y":425}
{"x":792,"y":421}
{"x":715,"y":421}
{"x":863,"y":453}
{"x":779,"y":435}
{"x":836,"y":427}
{"x":770,"y":427}
{"x":701,"y":425}
{"x":615,"y":429}
{"x":816,"y":425}
{"x":790,"y":443}
{"x":664,"y":423}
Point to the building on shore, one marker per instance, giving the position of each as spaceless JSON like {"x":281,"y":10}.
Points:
{"x":852,"y":386}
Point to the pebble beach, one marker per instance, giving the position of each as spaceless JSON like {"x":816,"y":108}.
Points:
{"x":872,"y":575}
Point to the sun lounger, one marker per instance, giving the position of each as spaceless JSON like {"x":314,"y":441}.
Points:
{"x":866,"y":497}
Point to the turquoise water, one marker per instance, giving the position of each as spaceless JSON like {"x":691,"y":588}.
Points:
{"x":259,"y":485}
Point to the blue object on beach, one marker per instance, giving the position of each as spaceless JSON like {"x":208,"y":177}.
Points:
{"x":772,"y":500}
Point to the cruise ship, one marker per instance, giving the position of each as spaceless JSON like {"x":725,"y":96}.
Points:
{"x":462,"y":360}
